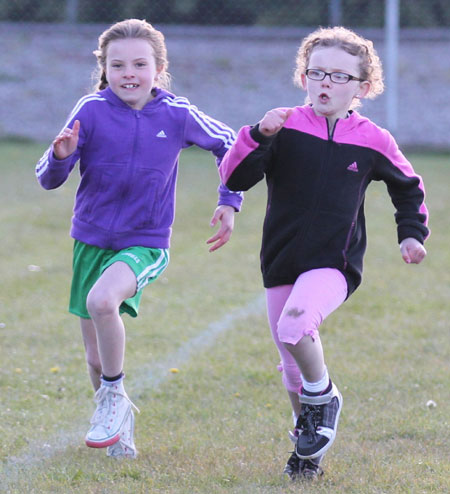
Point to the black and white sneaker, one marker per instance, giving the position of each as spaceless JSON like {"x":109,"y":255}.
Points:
{"x":307,"y":469}
{"x":292,"y":468}
{"x":317,"y":423}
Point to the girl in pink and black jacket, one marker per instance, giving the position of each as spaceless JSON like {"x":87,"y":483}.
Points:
{"x":318,"y":161}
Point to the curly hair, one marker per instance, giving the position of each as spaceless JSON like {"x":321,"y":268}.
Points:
{"x":132,"y":29}
{"x":370,"y":64}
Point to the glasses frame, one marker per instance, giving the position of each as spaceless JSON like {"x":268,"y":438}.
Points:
{"x":330,"y":74}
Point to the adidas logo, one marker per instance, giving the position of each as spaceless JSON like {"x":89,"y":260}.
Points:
{"x":161,"y":133}
{"x":353,"y":167}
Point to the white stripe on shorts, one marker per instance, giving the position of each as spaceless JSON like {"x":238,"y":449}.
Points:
{"x":154,"y":270}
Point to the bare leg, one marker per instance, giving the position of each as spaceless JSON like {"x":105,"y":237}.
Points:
{"x":90,"y":346}
{"x":308,"y":354}
{"x":315,"y":295}
{"x":295,"y":403}
{"x":116,"y":284}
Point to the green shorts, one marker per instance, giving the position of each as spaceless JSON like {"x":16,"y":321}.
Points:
{"x":89,"y":262}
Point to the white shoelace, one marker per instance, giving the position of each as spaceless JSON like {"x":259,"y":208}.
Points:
{"x":103,"y":400}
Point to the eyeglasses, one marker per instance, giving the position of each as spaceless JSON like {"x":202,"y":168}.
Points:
{"x":337,"y":77}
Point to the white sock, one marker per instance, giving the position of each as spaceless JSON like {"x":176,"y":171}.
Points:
{"x":111,"y":383}
{"x":318,"y":386}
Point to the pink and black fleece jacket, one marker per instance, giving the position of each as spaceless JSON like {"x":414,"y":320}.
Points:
{"x":316,"y":182}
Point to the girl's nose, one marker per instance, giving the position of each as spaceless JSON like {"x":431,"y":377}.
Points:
{"x":129,"y":72}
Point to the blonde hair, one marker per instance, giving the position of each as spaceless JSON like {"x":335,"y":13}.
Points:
{"x":134,"y":29}
{"x":370,"y":64}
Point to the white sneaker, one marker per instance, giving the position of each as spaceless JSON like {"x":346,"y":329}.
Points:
{"x":113,"y":408}
{"x":124,"y":447}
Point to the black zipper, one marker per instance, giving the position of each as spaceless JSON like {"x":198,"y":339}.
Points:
{"x":322,"y":175}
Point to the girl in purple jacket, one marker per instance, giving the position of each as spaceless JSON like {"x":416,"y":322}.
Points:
{"x":127,"y":137}
{"x":318,"y":160}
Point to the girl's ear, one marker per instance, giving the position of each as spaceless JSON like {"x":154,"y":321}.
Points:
{"x":303,"y":77}
{"x":158,"y":71}
{"x":363,"y":89}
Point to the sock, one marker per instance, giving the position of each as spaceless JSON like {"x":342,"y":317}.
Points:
{"x":318,"y":388}
{"x":110,"y":380}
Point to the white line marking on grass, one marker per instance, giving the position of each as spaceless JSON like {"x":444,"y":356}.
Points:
{"x":17,"y":467}
{"x":159,"y":371}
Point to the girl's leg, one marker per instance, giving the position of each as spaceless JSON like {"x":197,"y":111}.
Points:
{"x":114,"y":408}
{"x":315,"y":295}
{"x":276,"y":299}
{"x":308,"y":353}
{"x":90,"y":345}
{"x":117,"y":283}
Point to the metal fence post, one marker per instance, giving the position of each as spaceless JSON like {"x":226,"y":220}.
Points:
{"x":71,"y":11}
{"x":335,"y":12}
{"x":391,"y":42}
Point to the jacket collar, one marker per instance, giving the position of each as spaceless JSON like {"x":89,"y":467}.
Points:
{"x":342,"y":125}
{"x":112,"y":98}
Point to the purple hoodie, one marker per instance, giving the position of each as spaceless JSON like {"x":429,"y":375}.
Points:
{"x":129,"y":164}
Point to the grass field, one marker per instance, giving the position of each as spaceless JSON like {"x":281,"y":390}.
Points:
{"x":219,"y":424}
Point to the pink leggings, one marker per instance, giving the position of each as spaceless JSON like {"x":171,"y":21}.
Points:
{"x":295,"y":311}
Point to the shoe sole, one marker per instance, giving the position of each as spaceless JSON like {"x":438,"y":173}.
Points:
{"x":108,"y":441}
{"x":332,"y":438}
{"x":102,"y":444}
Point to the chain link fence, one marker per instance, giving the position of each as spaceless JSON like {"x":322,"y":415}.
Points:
{"x":361,"y":13}
{"x":233,"y":59}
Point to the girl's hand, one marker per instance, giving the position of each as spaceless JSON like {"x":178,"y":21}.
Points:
{"x":412,"y":251}
{"x":66,"y":142}
{"x":224,"y":214}
{"x":273,"y":121}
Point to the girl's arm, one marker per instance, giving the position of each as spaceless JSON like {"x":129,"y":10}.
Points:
{"x":407,"y":193}
{"x":215,"y":136}
{"x":245,"y":164}
{"x":53,"y":169}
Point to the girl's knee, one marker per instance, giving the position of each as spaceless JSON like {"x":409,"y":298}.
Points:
{"x":295,"y":324}
{"x":100,"y":305}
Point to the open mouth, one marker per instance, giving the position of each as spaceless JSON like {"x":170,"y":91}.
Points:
{"x":323,"y":98}
{"x":130,"y":86}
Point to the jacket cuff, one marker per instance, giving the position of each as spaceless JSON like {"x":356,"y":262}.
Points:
{"x":53,"y":160}
{"x":411,"y":232}
{"x":233,"y":201}
{"x":257,"y":136}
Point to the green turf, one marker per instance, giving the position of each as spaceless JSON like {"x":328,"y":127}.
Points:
{"x":219,"y":425}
